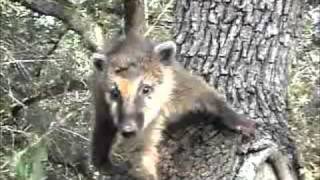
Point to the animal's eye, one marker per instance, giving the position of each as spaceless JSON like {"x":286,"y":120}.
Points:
{"x":147,"y":89}
{"x":114,"y":93}
{"x":118,"y":70}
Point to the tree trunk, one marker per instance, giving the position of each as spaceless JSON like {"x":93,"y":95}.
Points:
{"x":242,"y":48}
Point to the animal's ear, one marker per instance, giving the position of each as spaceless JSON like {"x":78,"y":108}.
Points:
{"x":166,"y":51}
{"x":98,"y":60}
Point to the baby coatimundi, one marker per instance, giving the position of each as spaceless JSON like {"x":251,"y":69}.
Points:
{"x":138,"y":90}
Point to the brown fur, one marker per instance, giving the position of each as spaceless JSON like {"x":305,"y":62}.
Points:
{"x":176,"y":92}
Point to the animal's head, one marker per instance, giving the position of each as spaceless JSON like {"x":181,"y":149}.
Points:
{"x":137,"y":81}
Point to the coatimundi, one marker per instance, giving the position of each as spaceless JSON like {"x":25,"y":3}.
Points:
{"x":138,"y":90}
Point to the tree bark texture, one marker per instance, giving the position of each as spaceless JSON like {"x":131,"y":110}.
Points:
{"x":241,"y":47}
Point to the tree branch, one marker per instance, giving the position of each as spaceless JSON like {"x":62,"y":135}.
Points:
{"x":85,"y":26}
{"x":55,"y":43}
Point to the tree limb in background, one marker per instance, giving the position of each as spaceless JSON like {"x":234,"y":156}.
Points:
{"x":115,"y":9}
{"x":134,"y":16}
{"x":85,"y":26}
{"x":55,"y":43}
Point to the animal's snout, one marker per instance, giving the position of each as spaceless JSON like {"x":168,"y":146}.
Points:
{"x":128,"y":130}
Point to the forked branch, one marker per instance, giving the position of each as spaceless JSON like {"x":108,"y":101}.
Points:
{"x":67,"y":12}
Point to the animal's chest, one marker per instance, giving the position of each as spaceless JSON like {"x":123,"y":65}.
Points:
{"x":127,"y":146}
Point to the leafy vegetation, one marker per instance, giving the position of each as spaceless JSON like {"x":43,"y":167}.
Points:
{"x":304,"y":98}
{"x":44,"y":69}
{"x":28,"y":163}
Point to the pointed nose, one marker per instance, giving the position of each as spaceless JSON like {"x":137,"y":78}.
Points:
{"x":128,"y":130}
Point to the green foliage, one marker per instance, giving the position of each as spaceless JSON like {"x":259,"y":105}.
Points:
{"x":159,"y":19}
{"x":28,"y":164}
{"x":305,"y":126}
{"x":38,"y":58}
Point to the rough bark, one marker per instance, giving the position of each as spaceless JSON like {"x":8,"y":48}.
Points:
{"x":242,"y":48}
{"x":85,"y":26}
